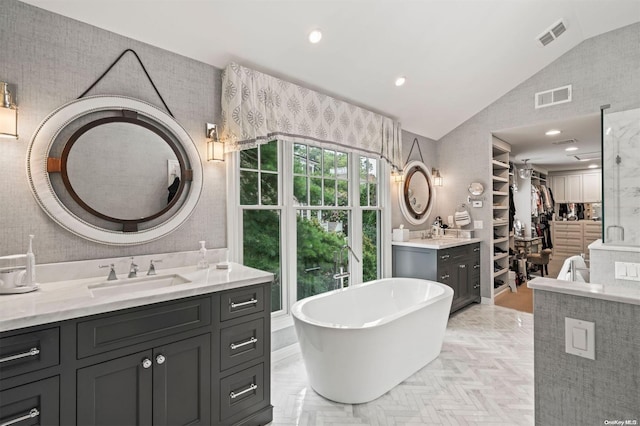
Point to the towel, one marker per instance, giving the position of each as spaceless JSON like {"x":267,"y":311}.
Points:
{"x":462,"y":218}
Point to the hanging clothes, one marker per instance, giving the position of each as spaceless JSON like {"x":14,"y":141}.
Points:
{"x":512,"y":208}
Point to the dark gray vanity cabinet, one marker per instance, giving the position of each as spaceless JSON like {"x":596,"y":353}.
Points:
{"x":203,"y":360}
{"x":457,"y":267}
{"x":166,"y":385}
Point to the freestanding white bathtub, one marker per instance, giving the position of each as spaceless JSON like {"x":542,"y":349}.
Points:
{"x":360,"y":342}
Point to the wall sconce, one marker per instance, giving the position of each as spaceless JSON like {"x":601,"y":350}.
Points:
{"x":8,"y":113}
{"x":437,"y":179}
{"x":397,"y":175}
{"x":215,"y":147}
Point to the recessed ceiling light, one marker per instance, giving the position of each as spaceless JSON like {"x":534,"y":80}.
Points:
{"x":553,"y":132}
{"x":571,"y":148}
{"x":315,"y":36}
{"x":400,"y":81}
{"x":593,"y":166}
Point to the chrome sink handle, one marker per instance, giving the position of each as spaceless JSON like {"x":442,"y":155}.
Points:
{"x":112,"y":271}
{"x":133,"y":269}
{"x":152,"y":267}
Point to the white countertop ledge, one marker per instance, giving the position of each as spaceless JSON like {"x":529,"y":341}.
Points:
{"x":436,"y":243}
{"x":63,"y":300}
{"x":595,"y":291}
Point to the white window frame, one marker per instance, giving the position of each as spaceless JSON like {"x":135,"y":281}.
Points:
{"x":288,"y":236}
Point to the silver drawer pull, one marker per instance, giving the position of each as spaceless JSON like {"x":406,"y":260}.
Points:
{"x":476,"y":286}
{"x":239,"y":345}
{"x":253,"y":387}
{"x":476,"y":266}
{"x":445,"y":256}
{"x":248,"y":302}
{"x":476,"y":249}
{"x":31,"y":352}
{"x":444,"y":277}
{"x":32,"y":413}
{"x":462,"y":266}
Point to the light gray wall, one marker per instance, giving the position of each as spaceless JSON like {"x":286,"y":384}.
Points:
{"x":570,"y":390}
{"x":603,"y":70}
{"x":428,"y":150}
{"x":50,"y":60}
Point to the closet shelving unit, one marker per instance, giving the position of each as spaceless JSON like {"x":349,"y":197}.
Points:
{"x":501,"y":235}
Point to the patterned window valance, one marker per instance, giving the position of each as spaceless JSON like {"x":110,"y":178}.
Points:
{"x":258,"y":108}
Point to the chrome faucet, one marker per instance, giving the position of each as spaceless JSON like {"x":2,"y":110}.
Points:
{"x":152,"y":267}
{"x":338,"y":268}
{"x":133,"y":269}
{"x":112,"y":271}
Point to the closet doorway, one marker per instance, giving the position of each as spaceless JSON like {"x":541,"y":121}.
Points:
{"x":556,"y":187}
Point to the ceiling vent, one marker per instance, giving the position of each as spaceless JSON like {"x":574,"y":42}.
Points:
{"x":587,"y":156}
{"x":564,"y":142}
{"x":552,"y":33}
{"x":551,"y":97}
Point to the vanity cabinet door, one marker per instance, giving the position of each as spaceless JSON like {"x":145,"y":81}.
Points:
{"x":116,"y":392}
{"x":182,"y":382}
{"x":169,"y":385}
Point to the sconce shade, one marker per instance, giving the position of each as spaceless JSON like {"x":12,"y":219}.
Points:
{"x":8,"y":114}
{"x":397,"y":175}
{"x":437,"y":179}
{"x":215,"y":148}
{"x":215,"y":151}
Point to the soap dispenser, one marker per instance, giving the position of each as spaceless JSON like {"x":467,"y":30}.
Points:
{"x":202,"y":261}
{"x":30,"y":277}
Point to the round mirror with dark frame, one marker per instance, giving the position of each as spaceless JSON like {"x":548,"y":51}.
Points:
{"x":417,"y":196}
{"x":114,"y":170}
{"x":128,"y":157}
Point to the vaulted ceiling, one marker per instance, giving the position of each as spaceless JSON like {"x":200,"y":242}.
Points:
{"x":457,"y":56}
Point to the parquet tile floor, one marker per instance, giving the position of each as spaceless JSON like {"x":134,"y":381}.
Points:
{"x":483,"y":376}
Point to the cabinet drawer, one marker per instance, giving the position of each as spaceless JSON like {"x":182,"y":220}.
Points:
{"x":28,"y":352}
{"x":568,"y":236}
{"x":445,"y":257}
{"x":36,"y":403}
{"x":244,"y":301}
{"x":241,"y":343}
{"x":115,"y":331}
{"x":242,"y":393}
{"x":567,"y":226}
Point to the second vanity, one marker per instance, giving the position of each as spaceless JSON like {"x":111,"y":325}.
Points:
{"x":451,"y":261}
{"x":195,"y":353}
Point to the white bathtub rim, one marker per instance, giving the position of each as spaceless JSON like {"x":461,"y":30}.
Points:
{"x":298,"y":315}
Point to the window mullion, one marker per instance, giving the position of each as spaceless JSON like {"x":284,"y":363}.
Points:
{"x":384,"y":201}
{"x":234,"y":210}
{"x":355,"y":236}
{"x":289,"y":246}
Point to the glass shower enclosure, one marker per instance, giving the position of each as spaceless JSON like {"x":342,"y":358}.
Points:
{"x":621,"y":176}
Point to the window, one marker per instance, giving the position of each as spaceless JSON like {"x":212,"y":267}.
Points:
{"x":298,"y":205}
{"x":261,"y":228}
{"x":369,"y":184}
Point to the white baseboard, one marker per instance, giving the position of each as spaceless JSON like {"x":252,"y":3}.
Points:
{"x":285,"y":352}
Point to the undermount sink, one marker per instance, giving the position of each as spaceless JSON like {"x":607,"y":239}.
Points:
{"x":129,"y":285}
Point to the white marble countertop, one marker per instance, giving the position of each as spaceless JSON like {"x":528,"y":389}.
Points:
{"x":595,"y":291}
{"x":436,"y":243}
{"x":62,"y":300}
